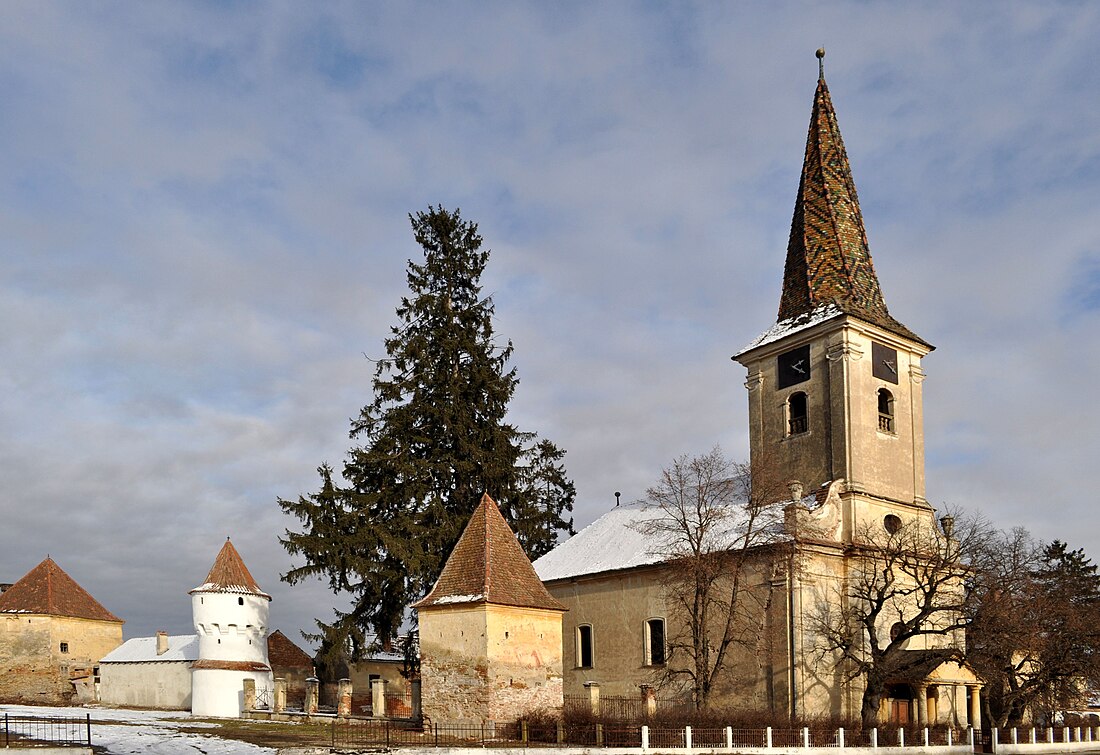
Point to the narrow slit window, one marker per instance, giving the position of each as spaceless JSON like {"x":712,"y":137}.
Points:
{"x":584,"y":646}
{"x":797,"y":420}
{"x":655,"y":642}
{"x":885,"y":411}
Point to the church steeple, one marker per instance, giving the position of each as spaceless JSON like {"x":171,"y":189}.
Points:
{"x":828,"y":259}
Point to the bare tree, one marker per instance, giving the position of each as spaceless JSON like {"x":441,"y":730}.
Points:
{"x":910,"y":587}
{"x":1034,"y":635}
{"x":710,"y":515}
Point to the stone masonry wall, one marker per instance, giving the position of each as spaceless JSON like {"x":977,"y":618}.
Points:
{"x":33,"y":667}
{"x":489,"y":663}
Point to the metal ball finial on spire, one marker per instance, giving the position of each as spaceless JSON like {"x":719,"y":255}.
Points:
{"x":820,"y":62}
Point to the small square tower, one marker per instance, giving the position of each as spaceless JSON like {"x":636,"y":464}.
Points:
{"x":490,"y":632}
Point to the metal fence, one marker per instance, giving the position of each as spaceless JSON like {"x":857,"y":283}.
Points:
{"x":37,"y":731}
{"x":366,"y":733}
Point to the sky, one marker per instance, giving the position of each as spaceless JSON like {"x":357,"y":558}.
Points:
{"x":204,"y":234}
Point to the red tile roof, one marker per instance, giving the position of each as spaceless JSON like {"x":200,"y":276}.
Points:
{"x":488,"y":565}
{"x":229,"y":574}
{"x":282,"y":652}
{"x":47,"y":589}
{"x":828,"y":259}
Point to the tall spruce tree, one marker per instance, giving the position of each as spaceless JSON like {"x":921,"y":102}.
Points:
{"x":434,"y":438}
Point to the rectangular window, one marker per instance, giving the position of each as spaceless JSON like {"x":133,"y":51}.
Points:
{"x":64,"y":647}
{"x":655,"y":642}
{"x":584,"y":646}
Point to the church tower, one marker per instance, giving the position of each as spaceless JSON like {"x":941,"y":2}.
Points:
{"x":835,"y":385}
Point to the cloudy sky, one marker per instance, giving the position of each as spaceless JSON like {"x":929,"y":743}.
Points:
{"x":204,"y":233}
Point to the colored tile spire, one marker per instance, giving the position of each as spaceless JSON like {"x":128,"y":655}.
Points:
{"x":488,"y":565}
{"x":828,"y":259}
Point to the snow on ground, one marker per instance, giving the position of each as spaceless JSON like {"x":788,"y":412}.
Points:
{"x":145,"y":731}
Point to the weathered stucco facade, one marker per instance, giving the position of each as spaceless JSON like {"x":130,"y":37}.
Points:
{"x":52,"y":635}
{"x":490,"y":633}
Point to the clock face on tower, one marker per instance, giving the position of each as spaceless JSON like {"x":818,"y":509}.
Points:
{"x":884,"y":361}
{"x":793,"y":367}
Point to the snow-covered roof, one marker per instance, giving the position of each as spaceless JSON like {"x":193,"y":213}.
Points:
{"x":181,"y":647}
{"x":794,"y":324}
{"x":623,"y":538}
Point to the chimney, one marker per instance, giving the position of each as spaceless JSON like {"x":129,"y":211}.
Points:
{"x":162,"y":643}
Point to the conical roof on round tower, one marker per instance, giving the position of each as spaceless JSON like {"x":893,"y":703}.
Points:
{"x":488,"y":565}
{"x":229,"y":574}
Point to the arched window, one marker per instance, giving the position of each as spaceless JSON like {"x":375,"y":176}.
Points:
{"x":797,"y":421}
{"x":584,"y":646}
{"x":655,"y":642}
{"x":885,"y":411}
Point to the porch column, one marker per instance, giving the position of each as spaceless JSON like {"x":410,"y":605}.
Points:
{"x":976,"y":706}
{"x":960,"y":705}
{"x":922,"y":705}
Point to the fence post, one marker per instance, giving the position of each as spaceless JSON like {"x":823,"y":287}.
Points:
{"x":435,"y":730}
{"x":901,"y":737}
{"x":925,"y":736}
{"x":687,"y":737}
{"x":1065,"y":733}
{"x":840,"y":737}
{"x":334,"y":732}
{"x":970,"y":736}
{"x":996,"y":738}
{"x":88,"y":723}
{"x":950,"y":737}
{"x":1031,"y":736}
{"x":645,"y":737}
{"x":805,"y":736}
{"x":874,"y":737}
{"x":769,"y":737}
{"x":7,"y":732}
{"x":523,"y":731}
{"x":1015,"y":737}
{"x":599,"y":735}
{"x":729,"y":737}
{"x":1077,"y":731}
{"x":561,"y":733}
{"x":387,"y":732}
{"x":1050,"y":735}
{"x":593,"y":697}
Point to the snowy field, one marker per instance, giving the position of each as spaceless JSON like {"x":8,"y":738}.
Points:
{"x":145,"y":731}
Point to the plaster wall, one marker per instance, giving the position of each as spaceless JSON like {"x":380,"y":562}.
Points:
{"x":489,"y":663}
{"x":33,"y":667}
{"x":617,"y":606}
{"x":219,"y":693}
{"x":231,"y":626}
{"x":164,"y":684}
{"x":843,"y":439}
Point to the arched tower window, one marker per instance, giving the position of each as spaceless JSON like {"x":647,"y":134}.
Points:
{"x":584,"y":646}
{"x":885,"y":411}
{"x":797,"y":421}
{"x":655,"y":642}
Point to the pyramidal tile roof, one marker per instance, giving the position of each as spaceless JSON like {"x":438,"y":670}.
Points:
{"x":47,"y":589}
{"x":828,"y":259}
{"x":488,"y":565}
{"x":229,"y":574}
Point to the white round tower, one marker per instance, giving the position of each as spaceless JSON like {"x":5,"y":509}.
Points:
{"x":230,"y":615}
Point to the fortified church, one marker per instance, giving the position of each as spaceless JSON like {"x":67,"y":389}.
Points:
{"x":835,"y":407}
